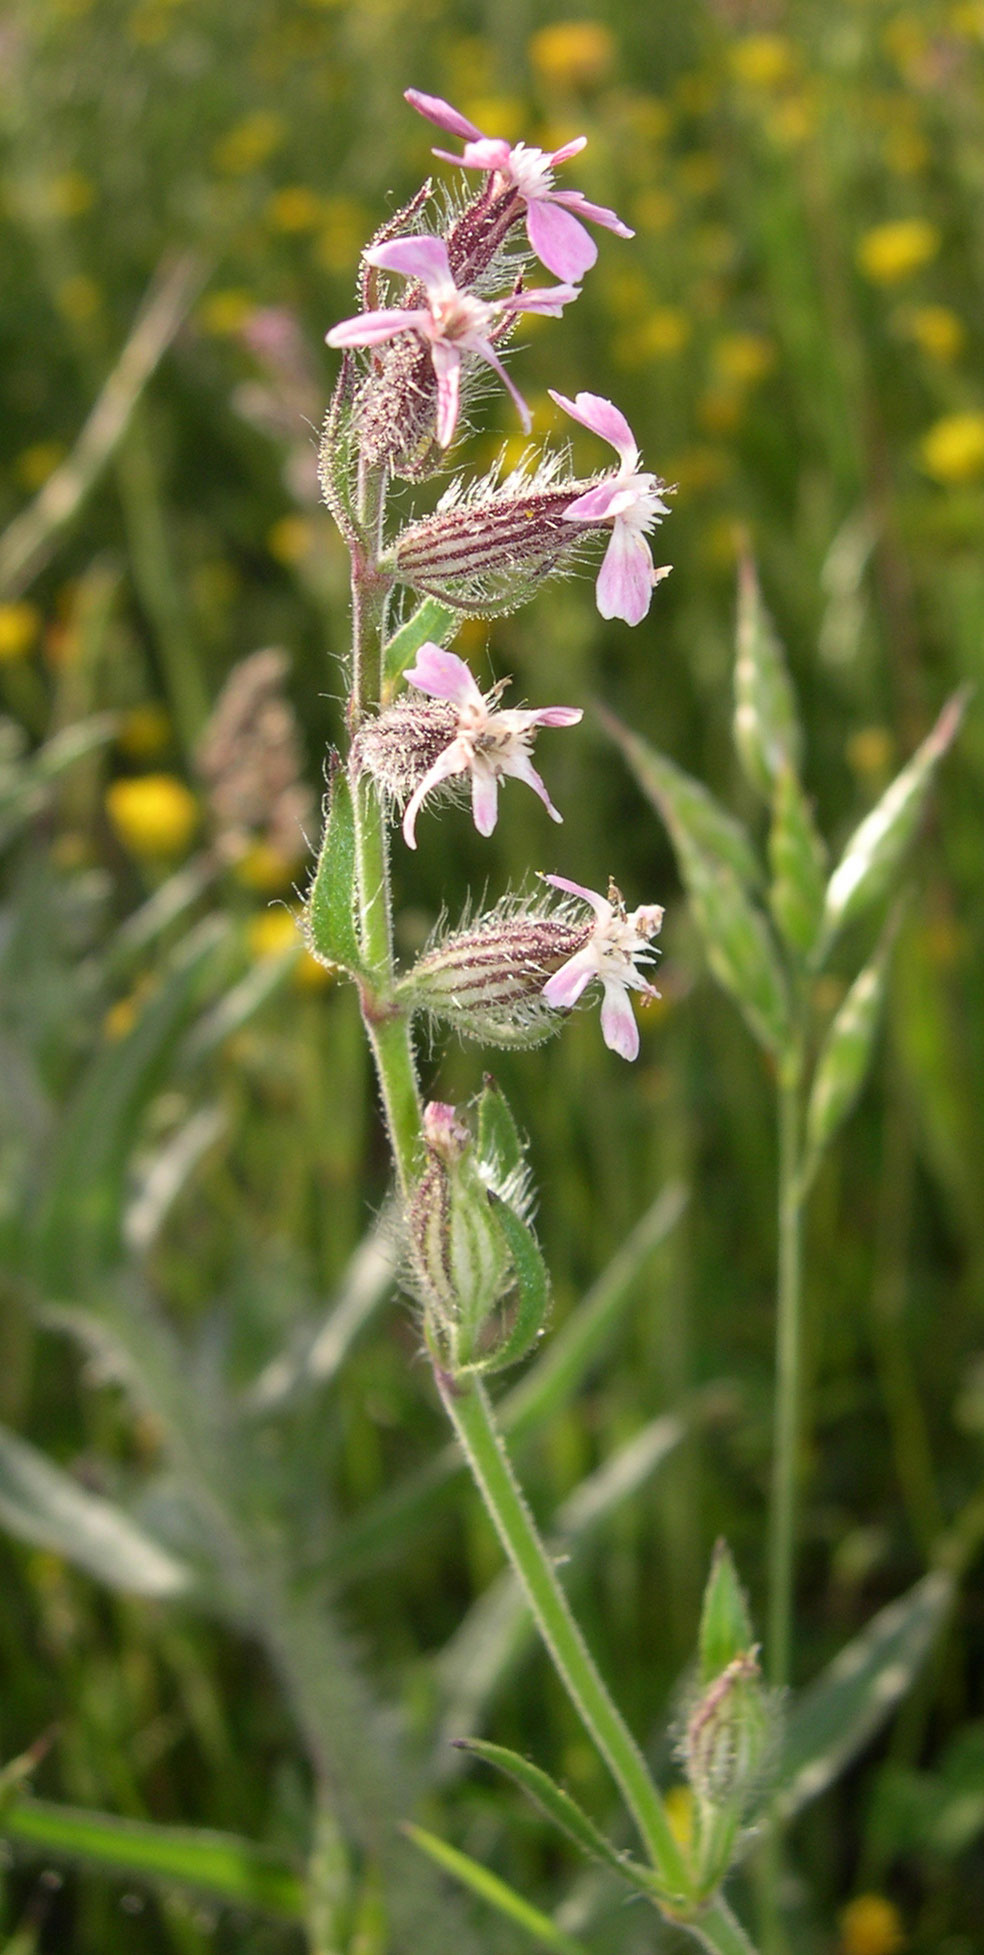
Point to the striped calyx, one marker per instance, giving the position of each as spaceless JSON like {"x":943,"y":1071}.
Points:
{"x":487,"y":980}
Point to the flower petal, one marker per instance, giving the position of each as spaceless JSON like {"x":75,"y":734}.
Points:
{"x":625,"y":580}
{"x":444,"y":675}
{"x":437,"y":110}
{"x":488,"y":353}
{"x":556,"y":716}
{"x":424,"y":257}
{"x":567,"y":150}
{"x":618,"y":1021}
{"x":520,"y":766}
{"x":447,"y":366}
{"x":560,"y":242}
{"x":549,"y":299}
{"x":601,"y":908}
{"x":368,"y":328}
{"x":597,"y":505}
{"x":576,"y":201}
{"x":604,"y":418}
{"x":567,"y":984}
{"x":485,"y":795}
{"x":456,"y":759}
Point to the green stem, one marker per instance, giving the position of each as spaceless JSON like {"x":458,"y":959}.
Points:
{"x":393,"y":1052}
{"x":470,"y":1413}
{"x":720,"y":1932}
{"x":785,"y":1462}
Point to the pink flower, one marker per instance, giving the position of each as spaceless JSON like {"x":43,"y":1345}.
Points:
{"x":558,"y":239}
{"x":618,"y":944}
{"x":452,"y":322}
{"x":631,"y":501}
{"x":486,"y":744}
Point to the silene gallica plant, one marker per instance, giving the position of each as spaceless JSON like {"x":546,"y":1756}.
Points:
{"x":441,"y":289}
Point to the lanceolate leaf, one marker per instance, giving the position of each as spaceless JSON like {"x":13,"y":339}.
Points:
{"x":833,"y":1720}
{"x":875,"y":851}
{"x":432,"y":622}
{"x":560,"y":1808}
{"x":797,"y":858}
{"x":688,"y":809}
{"x":767,"y":731}
{"x":41,"y":1504}
{"x":532,"y":1289}
{"x":846,"y":1055}
{"x":498,"y":1134}
{"x":544,"y":1932}
{"x":739,"y":949}
{"x":330,"y":914}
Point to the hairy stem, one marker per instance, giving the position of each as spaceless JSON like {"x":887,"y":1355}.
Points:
{"x":785,"y":1463}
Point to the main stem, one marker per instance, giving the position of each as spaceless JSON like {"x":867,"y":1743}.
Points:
{"x":788,"y":1390}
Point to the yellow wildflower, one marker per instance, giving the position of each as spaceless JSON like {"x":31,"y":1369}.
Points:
{"x":264,"y":869}
{"x":154,"y":815}
{"x":871,"y":1925}
{"x":71,"y":195}
{"x":871,"y":752}
{"x":249,"y":143}
{"x":967,"y":19}
{"x":762,"y":60}
{"x":661,"y":335}
{"x":792,"y":120}
{"x":289,"y":540}
{"x":272,"y":933}
{"x":952,"y":451}
{"x":744,"y":358}
{"x":891,"y":252}
{"x":572,"y":53}
{"x":679,"y":1802}
{"x":34,"y":465}
{"x":934,"y":329}
{"x":504,"y":114}
{"x":78,"y":299}
{"x":226,"y":311}
{"x":145,"y":731}
{"x":295,"y":208}
{"x":19,"y":627}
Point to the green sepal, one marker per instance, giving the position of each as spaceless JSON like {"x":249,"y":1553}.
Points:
{"x":432,"y":622}
{"x":532,"y":1291}
{"x":689,"y":811}
{"x":499,"y":1141}
{"x":329,"y":917}
{"x":846,"y":1054}
{"x":873,"y":855}
{"x":725,"y":1624}
{"x":797,"y":859}
{"x":561,"y":1809}
{"x":766,"y":725}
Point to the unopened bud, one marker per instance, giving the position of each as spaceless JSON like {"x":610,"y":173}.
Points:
{"x":727,"y":1733}
{"x":460,"y":1258}
{"x":487,"y":981}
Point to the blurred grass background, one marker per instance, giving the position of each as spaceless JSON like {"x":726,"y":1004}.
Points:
{"x":796,"y":335}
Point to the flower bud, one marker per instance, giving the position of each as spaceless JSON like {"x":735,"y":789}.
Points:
{"x":726,"y":1734}
{"x":460,"y":1258}
{"x":487,"y":980}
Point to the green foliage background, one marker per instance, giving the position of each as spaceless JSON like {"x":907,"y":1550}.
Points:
{"x":811,"y":384}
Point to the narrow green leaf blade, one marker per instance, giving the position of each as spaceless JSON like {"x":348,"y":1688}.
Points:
{"x":846,"y":1055}
{"x":797,"y":859}
{"x":432,"y":622}
{"x":738,"y":945}
{"x":560,"y":1808}
{"x":833,"y":1720}
{"x":329,"y":921}
{"x":532,"y":1289}
{"x":766,"y":726}
{"x":725,"y":1624}
{"x":689,"y":811}
{"x":498,"y":1135}
{"x":218,"y":1864}
{"x":874,"y":853}
{"x":496,"y":1892}
{"x":43,"y":1505}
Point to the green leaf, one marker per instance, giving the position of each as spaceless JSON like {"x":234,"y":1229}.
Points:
{"x":797,"y":858}
{"x":329,"y":921}
{"x":689,"y":811}
{"x":561,"y":1809}
{"x":499,"y":1141}
{"x":490,"y":1888}
{"x":833,"y":1720}
{"x":228,"y":1869}
{"x":739,"y":947}
{"x":846,"y":1055}
{"x":431,"y":622}
{"x":45,"y":1506}
{"x":766,"y":726}
{"x":532,"y":1290}
{"x":873,"y":855}
{"x":725,"y":1624}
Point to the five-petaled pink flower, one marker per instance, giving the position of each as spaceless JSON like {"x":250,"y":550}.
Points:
{"x":453,"y":322}
{"x":486,"y":744}
{"x":631,"y":501}
{"x":559,"y":240}
{"x":618,"y":943}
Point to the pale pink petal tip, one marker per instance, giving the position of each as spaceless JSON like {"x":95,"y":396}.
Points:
{"x":440,"y":112}
{"x":443,"y":674}
{"x":618,"y":1023}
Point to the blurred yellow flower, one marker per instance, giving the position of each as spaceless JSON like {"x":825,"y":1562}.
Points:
{"x":679,"y":1804}
{"x":272,"y":933}
{"x":289,"y":539}
{"x":154,"y":815}
{"x":952,"y":451}
{"x":792,"y":120}
{"x":502,"y":115}
{"x":226,"y":312}
{"x":743,"y":358}
{"x":967,"y":19}
{"x":295,"y":208}
{"x":906,"y":151}
{"x":121,"y":1018}
{"x":264,"y":869}
{"x":78,"y":299}
{"x":572,"y":53}
{"x":72,"y":194}
{"x":891,"y":252}
{"x":871,"y":752}
{"x":934,"y":329}
{"x":762,"y":60}
{"x":145,"y":731}
{"x":660,"y":335}
{"x":34,"y":465}
{"x":720,"y":411}
{"x":871,"y":1925}
{"x":654,"y":210}
{"x":19,"y":627}
{"x":249,"y":144}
